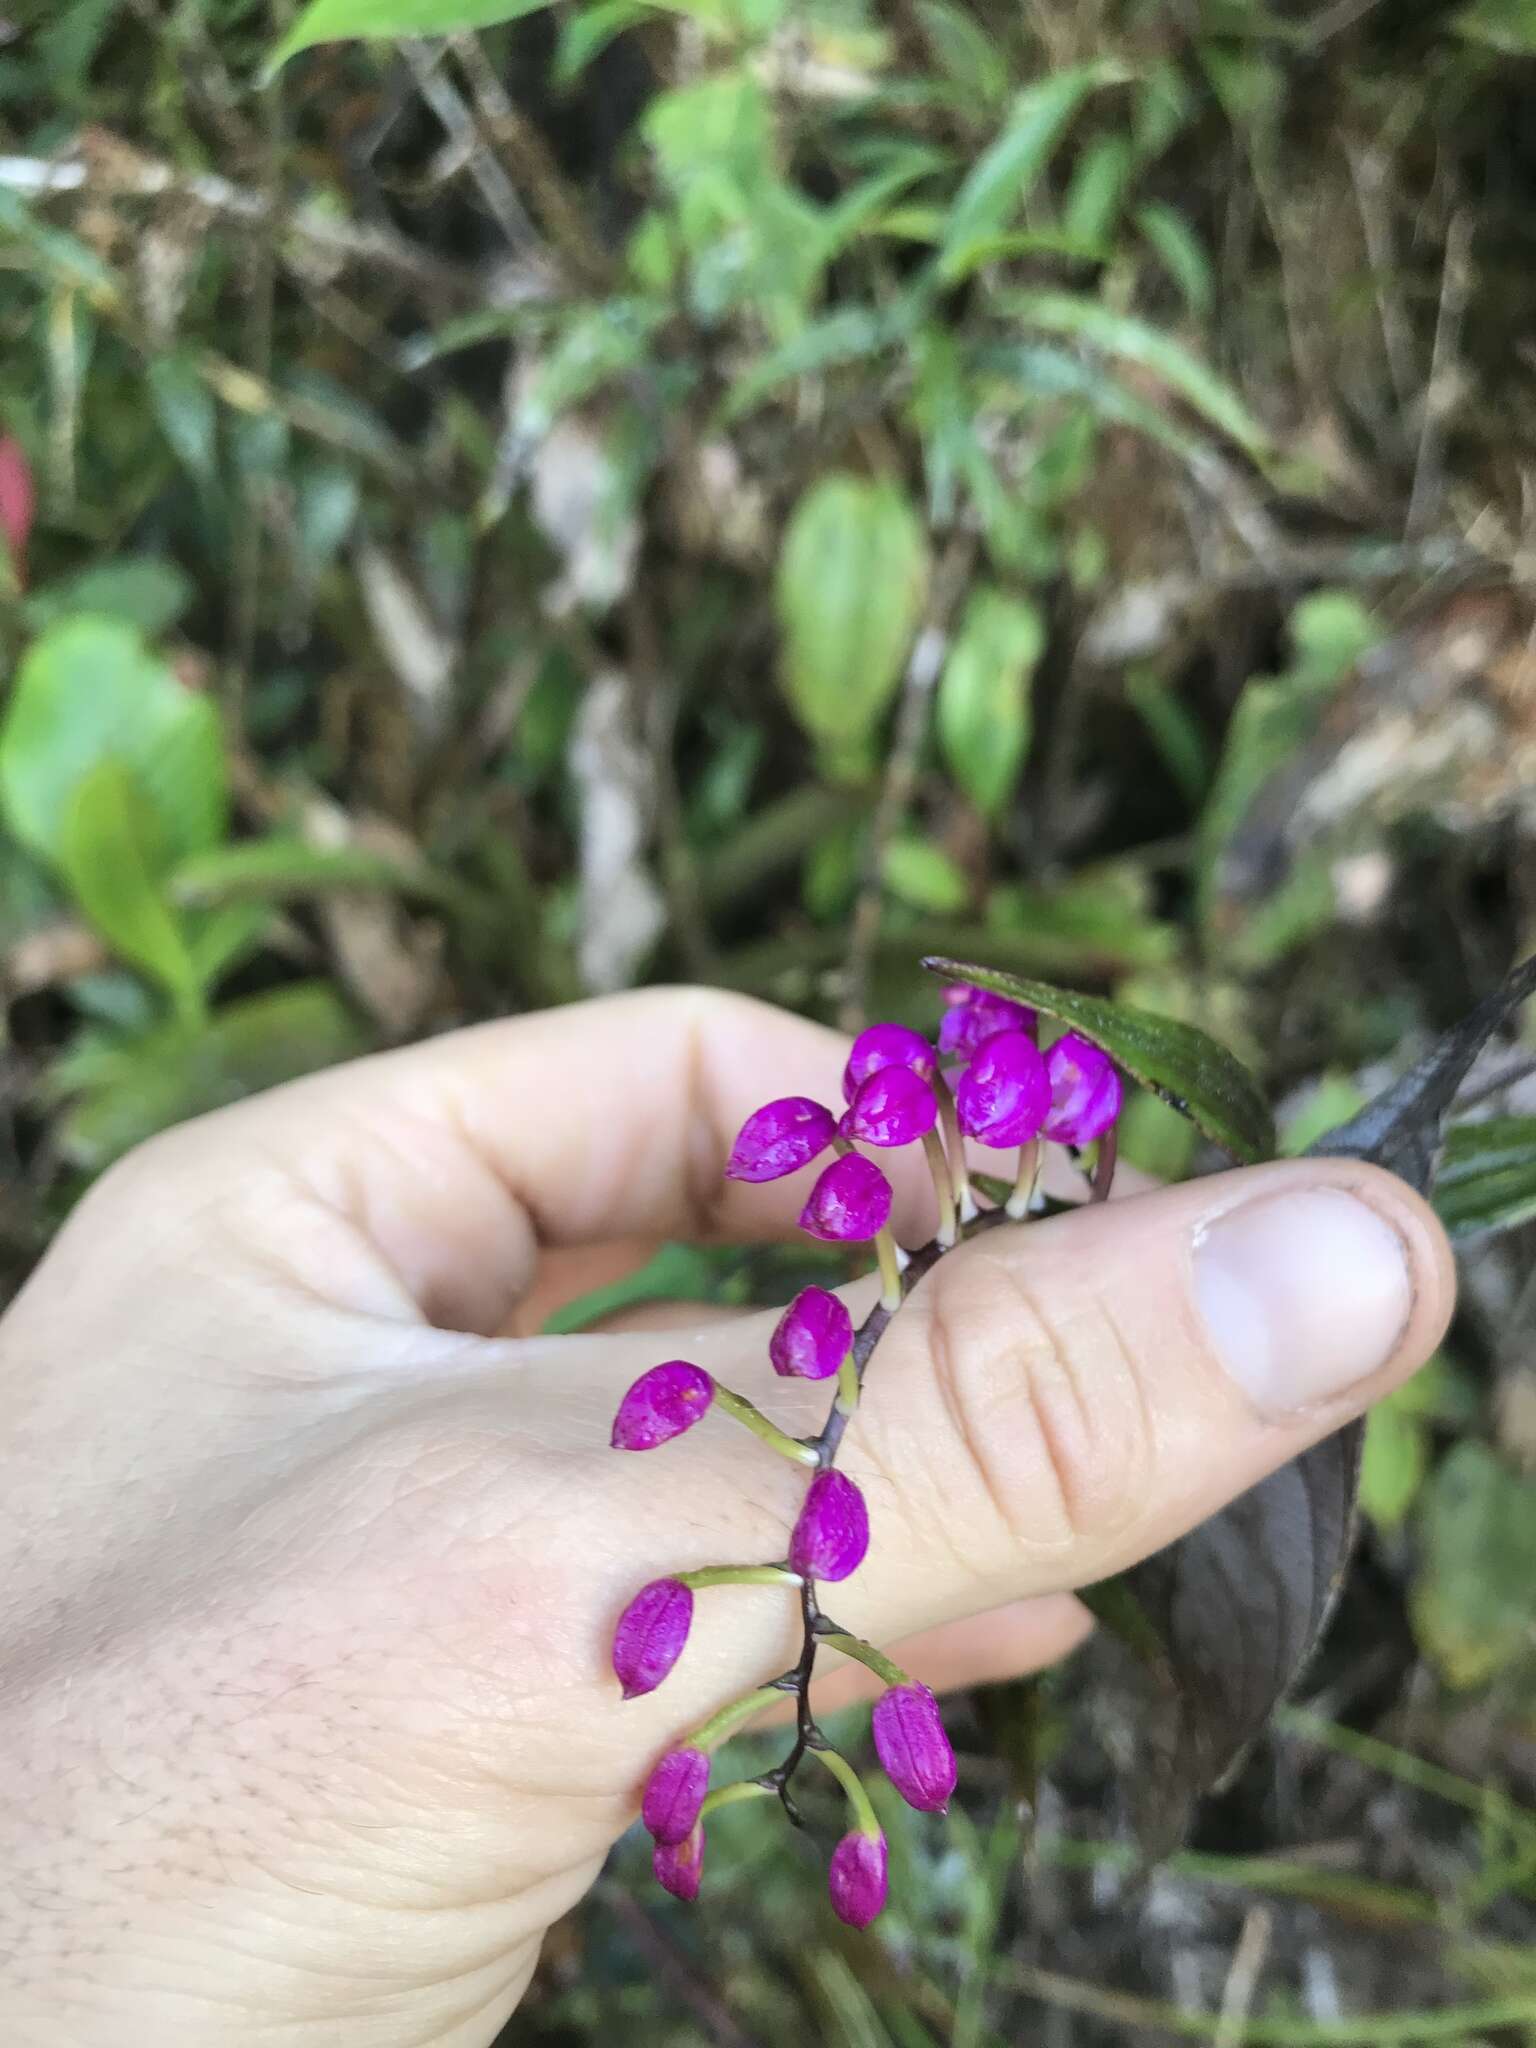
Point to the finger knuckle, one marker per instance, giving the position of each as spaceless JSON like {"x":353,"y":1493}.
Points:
{"x":1045,"y":1402}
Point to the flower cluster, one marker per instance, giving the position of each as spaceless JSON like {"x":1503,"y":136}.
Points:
{"x":986,"y":1080}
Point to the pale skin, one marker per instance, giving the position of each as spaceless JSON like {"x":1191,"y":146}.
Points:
{"x":311,"y":1555}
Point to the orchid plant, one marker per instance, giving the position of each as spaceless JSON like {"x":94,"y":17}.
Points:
{"x":985,"y":1079}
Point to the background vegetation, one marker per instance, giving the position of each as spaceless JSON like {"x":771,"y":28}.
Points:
{"x":758,"y":490}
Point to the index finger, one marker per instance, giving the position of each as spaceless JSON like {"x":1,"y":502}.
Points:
{"x":456,"y":1160}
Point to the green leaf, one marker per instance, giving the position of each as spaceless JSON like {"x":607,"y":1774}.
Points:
{"x":1004,"y":175}
{"x":334,"y":21}
{"x":677,"y":1272}
{"x":1505,"y":25}
{"x":965,"y":52}
{"x":268,"y":870}
{"x":1093,"y":201}
{"x":1330,"y":631}
{"x":123,"y":1092}
{"x":850,"y":587}
{"x":1179,"y":1062}
{"x":89,"y":691}
{"x":1487,"y":1178}
{"x":1149,"y":348}
{"x":188,"y":417}
{"x":983,"y":705}
{"x":219,"y":940}
{"x":108,"y":855}
{"x":921,"y":874}
{"x":144,"y":591}
{"x":1393,"y":1464}
{"x":1274,"y":718}
{"x":1180,"y":252}
{"x":850,"y":335}
{"x":1471,"y":1600}
{"x":587,"y":31}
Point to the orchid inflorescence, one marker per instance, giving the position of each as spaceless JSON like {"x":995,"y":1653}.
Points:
{"x":1003,"y":1092}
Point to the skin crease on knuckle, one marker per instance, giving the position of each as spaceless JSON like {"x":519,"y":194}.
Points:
{"x":1043,"y":1417}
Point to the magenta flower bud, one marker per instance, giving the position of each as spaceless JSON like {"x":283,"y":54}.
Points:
{"x":679,"y":1866}
{"x":1005,"y":1092}
{"x":661,"y":1405}
{"x":858,"y":1879}
{"x":650,"y":1635}
{"x":674,"y":1792}
{"x":893,"y":1107}
{"x":910,"y":1742}
{"x":886,"y":1045}
{"x":1085,"y":1091}
{"x":832,"y":1534}
{"x":975,"y":1015}
{"x":780,"y":1138}
{"x":813,"y":1336}
{"x":849,"y":1204}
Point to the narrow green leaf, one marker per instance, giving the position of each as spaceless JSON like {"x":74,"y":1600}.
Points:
{"x":1179,"y":1062}
{"x":1092,"y":208}
{"x":850,"y":587}
{"x":851,"y":335}
{"x":267,"y":870}
{"x":677,"y":1272}
{"x":69,"y":261}
{"x":1487,"y":1178}
{"x":1003,"y":176}
{"x":188,"y":416}
{"x":109,"y":858}
{"x":983,"y":707}
{"x":970,"y":57}
{"x":1179,"y":251}
{"x":335,"y":21}
{"x":1135,"y":341}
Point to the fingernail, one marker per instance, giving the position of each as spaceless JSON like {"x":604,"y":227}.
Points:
{"x":1304,"y":1294}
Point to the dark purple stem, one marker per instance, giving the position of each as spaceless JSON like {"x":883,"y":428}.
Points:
{"x":866,"y":1338}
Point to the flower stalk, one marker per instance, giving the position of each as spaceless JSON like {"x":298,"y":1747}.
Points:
{"x":1007,"y":1094}
{"x":741,"y":1410}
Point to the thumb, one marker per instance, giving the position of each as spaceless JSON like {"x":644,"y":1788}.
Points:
{"x":1057,"y":1400}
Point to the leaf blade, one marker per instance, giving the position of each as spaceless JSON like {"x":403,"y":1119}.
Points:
{"x":852,"y":574}
{"x":107,"y":856}
{"x":983,"y":710}
{"x":335,"y":21}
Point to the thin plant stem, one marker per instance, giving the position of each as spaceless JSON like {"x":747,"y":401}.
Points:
{"x":743,"y":1411}
{"x":732,"y":1795}
{"x":847,"y":1386}
{"x":890,"y":1270}
{"x":1026,"y":1180}
{"x":738,"y":1575}
{"x":954,"y":1145}
{"x":943,"y":1187}
{"x":714,"y":1731}
{"x":853,"y":1787}
{"x":865,"y":1653}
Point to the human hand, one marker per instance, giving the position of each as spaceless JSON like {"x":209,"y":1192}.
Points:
{"x":310,"y":1575}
